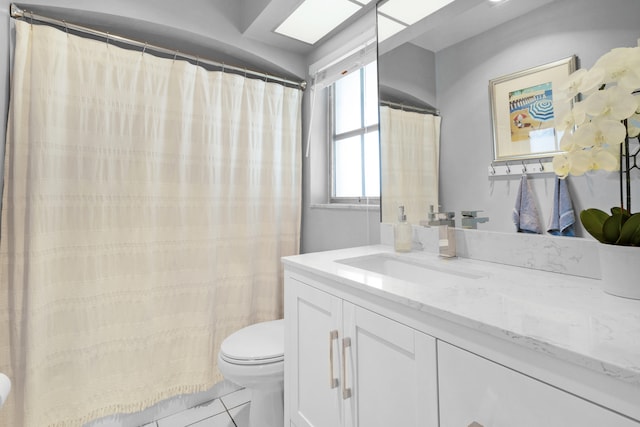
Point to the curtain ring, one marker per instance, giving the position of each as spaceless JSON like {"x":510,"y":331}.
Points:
{"x":541,"y":165}
{"x":508,"y":168}
{"x":145,"y":47}
{"x":266,"y":77}
{"x":197,"y":61}
{"x":107,"y":39}
{"x":245,"y":72}
{"x":31,"y":17}
{"x":524,"y":167}
{"x":175,"y":55}
{"x":493,"y":170}
{"x":66,"y":28}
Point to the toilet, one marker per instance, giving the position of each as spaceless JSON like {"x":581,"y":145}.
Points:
{"x":253,"y":357}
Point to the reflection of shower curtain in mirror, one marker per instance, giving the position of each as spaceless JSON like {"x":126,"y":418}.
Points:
{"x":410,"y":150}
{"x":147,"y":204}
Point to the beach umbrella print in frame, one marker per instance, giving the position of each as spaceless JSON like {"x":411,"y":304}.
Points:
{"x":541,"y":110}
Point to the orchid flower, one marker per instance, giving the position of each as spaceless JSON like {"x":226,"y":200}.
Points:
{"x":561,"y":165}
{"x":599,"y":132}
{"x":595,"y":127}
{"x":605,"y":158}
{"x":614,"y":103}
{"x":621,"y":66}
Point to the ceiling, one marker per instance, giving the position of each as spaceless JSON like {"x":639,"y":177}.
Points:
{"x":458,"y":21}
{"x":243,"y":29}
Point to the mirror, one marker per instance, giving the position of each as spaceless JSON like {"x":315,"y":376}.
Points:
{"x":444,"y":63}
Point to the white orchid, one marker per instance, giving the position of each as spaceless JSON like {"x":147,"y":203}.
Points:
{"x":581,"y":81}
{"x":622,"y":67}
{"x":615,"y":103}
{"x":595,"y":127}
{"x":604,"y":121}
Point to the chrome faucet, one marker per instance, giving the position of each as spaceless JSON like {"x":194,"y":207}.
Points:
{"x":470,"y":219}
{"x":441,"y":218}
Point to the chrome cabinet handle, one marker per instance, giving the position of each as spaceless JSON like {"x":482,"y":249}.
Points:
{"x":475,"y":424}
{"x":346,"y":392}
{"x":333,"y":382}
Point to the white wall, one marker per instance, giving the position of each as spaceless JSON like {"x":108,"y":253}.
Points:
{"x":586,"y":28}
{"x":408,"y":71}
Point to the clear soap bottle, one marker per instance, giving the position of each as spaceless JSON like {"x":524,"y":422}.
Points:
{"x":402,"y":232}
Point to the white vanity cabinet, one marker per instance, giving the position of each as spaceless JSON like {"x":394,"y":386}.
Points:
{"x":348,"y":366}
{"x":477,"y":392}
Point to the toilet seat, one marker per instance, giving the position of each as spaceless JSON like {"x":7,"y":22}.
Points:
{"x":258,"y":344}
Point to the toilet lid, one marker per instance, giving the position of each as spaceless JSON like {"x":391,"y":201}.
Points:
{"x":258,"y":343}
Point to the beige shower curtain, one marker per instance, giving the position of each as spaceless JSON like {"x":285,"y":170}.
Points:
{"x":410,"y":158}
{"x":147,"y":203}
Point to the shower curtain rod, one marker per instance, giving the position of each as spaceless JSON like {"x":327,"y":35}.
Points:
{"x":410,"y":107}
{"x":18,"y":13}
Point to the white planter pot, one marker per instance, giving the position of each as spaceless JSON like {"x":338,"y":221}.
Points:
{"x":619,"y":267}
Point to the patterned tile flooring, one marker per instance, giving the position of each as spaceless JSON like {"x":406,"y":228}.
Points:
{"x":231,"y":410}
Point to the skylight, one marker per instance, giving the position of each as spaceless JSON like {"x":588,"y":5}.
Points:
{"x":314,"y":19}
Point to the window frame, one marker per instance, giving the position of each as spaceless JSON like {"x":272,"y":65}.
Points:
{"x":362,"y":132}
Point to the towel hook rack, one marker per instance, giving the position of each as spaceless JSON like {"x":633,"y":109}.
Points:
{"x":501,"y":168}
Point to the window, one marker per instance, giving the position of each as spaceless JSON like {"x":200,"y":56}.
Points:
{"x":355,"y":148}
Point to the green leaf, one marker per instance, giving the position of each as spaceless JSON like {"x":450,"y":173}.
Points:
{"x":618,"y":210}
{"x":611,"y":228}
{"x":630,"y":232}
{"x":593,"y":221}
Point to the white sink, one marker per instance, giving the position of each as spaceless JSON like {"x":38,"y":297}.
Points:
{"x":410,"y":269}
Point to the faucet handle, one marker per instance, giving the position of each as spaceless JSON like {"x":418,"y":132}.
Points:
{"x":469,"y":214}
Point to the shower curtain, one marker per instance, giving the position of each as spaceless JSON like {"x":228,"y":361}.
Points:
{"x":147,"y":203}
{"x":410,"y":158}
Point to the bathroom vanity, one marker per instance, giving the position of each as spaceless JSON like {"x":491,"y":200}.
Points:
{"x":375,"y":338}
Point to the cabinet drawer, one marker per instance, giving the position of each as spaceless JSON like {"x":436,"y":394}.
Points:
{"x":475,"y":390}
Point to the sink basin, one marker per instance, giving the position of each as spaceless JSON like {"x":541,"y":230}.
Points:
{"x":410,"y":269}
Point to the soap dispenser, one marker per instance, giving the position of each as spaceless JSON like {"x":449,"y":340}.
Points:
{"x":402,"y":232}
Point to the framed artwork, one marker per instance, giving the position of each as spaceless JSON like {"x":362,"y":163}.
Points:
{"x":524,"y":113}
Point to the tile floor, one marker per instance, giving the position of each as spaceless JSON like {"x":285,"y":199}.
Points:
{"x":231,"y":410}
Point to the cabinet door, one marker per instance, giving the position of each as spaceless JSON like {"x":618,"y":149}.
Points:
{"x":313,"y":320}
{"x":477,"y":392}
{"x":391,"y":371}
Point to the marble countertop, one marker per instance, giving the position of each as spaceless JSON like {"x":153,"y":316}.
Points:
{"x":566,"y":316}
